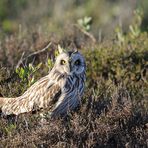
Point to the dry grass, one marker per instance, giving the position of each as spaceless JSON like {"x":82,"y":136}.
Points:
{"x":114,"y":109}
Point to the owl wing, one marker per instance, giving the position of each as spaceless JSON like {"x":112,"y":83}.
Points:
{"x":39,"y":96}
{"x":52,"y":94}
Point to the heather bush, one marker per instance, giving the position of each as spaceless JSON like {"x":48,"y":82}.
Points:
{"x":114,"y":107}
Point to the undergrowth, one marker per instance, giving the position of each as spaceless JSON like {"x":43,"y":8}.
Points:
{"x":114,"y":108}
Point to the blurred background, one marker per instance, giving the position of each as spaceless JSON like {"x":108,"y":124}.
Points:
{"x":56,"y":15}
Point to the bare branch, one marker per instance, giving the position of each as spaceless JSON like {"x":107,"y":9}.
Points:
{"x":32,"y":54}
{"x":86,"y":33}
{"x":20,"y":61}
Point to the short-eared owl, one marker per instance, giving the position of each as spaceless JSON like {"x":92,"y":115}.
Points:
{"x":59,"y":91}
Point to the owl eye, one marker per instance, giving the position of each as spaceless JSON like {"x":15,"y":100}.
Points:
{"x":77,"y":62}
{"x":63,"y":62}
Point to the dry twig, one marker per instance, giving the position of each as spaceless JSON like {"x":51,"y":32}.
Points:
{"x":86,"y":33}
{"x":32,"y":54}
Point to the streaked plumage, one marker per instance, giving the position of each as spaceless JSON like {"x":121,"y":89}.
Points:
{"x":59,"y":91}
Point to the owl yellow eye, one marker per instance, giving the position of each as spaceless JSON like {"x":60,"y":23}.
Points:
{"x":77,"y":62}
{"x":63,"y":62}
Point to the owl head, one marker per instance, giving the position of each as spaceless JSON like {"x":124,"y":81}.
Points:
{"x":70,"y":62}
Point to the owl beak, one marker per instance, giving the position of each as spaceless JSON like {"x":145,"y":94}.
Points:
{"x":70,"y":67}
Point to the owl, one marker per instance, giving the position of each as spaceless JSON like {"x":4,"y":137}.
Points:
{"x":60,"y":91}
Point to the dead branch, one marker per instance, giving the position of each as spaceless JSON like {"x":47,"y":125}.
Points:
{"x":20,"y":61}
{"x":32,"y":54}
{"x":86,"y":33}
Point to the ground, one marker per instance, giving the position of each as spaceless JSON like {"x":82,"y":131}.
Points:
{"x":114,"y":107}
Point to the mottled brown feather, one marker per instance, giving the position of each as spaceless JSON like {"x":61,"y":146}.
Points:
{"x":46,"y":95}
{"x":59,"y":91}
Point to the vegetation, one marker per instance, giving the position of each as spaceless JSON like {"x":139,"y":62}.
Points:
{"x":114,"y":108}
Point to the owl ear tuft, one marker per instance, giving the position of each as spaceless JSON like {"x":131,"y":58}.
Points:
{"x":75,"y":50}
{"x":60,"y":49}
